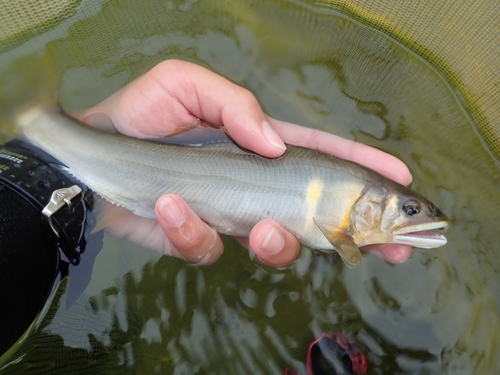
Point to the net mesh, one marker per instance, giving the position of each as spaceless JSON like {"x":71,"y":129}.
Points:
{"x":462,"y":38}
{"x":100,"y":45}
{"x":459,"y":37}
{"x":22,"y":20}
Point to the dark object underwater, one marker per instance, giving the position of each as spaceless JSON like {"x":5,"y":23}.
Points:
{"x":333,"y":355}
{"x":43,"y":232}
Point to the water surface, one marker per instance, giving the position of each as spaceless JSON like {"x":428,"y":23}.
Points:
{"x":438,"y":313}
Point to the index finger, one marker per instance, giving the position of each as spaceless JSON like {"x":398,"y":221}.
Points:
{"x":379,"y":161}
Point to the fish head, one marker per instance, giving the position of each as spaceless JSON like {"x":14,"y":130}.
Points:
{"x":392,"y":213}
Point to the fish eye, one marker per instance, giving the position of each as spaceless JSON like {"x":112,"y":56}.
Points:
{"x":411,"y":207}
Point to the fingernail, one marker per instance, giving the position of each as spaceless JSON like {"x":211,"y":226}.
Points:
{"x":272,"y":137}
{"x":273,"y":242}
{"x":172,"y":212}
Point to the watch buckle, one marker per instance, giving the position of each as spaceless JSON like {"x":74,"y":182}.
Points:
{"x":59,"y":198}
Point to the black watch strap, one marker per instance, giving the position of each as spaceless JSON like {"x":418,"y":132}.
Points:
{"x":40,"y":179}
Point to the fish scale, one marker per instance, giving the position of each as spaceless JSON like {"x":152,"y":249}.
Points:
{"x":326,"y":202}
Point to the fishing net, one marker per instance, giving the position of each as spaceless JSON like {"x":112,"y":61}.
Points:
{"x":459,"y":38}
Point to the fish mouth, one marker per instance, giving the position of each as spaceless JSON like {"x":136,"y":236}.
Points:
{"x":425,"y":236}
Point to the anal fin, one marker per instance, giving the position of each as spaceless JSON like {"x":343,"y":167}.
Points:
{"x":106,"y":213}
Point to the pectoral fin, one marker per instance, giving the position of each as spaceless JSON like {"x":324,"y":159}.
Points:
{"x":342,"y":242}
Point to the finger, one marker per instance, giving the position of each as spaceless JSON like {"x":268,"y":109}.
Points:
{"x":141,"y":231}
{"x":273,"y":245}
{"x":379,"y":161}
{"x":220,"y":102}
{"x":194,"y":240}
{"x":141,"y":109}
{"x":391,"y":253}
{"x":175,"y":95}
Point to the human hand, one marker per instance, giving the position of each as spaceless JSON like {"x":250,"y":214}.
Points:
{"x":176,"y":96}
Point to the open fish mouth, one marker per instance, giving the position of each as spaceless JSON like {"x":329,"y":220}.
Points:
{"x":426,"y":236}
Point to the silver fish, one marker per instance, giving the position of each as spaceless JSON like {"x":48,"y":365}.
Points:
{"x":326,"y":202}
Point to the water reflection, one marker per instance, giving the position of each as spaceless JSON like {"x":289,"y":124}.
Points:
{"x":436,"y":313}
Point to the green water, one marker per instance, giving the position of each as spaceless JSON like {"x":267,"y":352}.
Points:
{"x":438,"y":313}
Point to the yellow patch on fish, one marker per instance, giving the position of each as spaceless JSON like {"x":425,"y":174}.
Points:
{"x":313,"y":195}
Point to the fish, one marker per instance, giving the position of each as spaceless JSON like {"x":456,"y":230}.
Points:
{"x":328,"y":203}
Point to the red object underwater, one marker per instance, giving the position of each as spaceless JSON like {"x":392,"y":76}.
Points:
{"x":333,"y":355}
